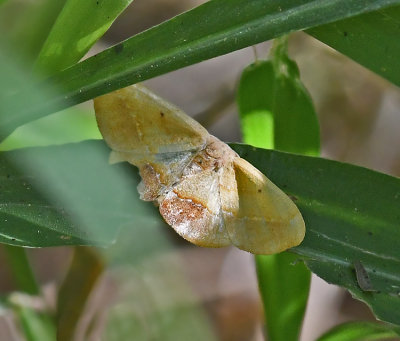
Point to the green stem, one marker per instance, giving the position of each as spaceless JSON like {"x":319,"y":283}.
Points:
{"x":21,"y":269}
{"x":279,"y":50}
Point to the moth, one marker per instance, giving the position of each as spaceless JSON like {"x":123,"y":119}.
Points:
{"x":204,"y":190}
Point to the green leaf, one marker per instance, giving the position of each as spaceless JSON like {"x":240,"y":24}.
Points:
{"x":26,"y":25}
{"x":79,"y":25}
{"x":276,"y":111}
{"x":72,"y":125}
{"x":21,"y":269}
{"x":284,"y":285}
{"x":66,"y":195}
{"x":296,"y":127}
{"x":256,"y":100}
{"x":351,"y":214}
{"x":359,"y":331}
{"x":370,"y":39}
{"x":222,"y":26}
{"x":67,"y":126}
{"x":35,"y":325}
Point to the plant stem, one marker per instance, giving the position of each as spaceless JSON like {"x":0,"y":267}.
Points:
{"x":21,"y":269}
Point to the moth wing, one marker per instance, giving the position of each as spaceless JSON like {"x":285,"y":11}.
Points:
{"x":150,"y":133}
{"x":228,"y":193}
{"x":193,"y":209}
{"x":160,"y":172}
{"x":266,"y":220}
{"x":135,"y":121}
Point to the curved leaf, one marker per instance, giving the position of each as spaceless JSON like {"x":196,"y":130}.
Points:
{"x":284,"y":285}
{"x":371,"y":39}
{"x":66,"y":195}
{"x":222,"y":26}
{"x":351,"y":215}
{"x":79,"y":25}
{"x":67,"y":126}
{"x":26,"y":25}
{"x":22,"y":272}
{"x":276,"y":111}
{"x":35,"y":325}
{"x":359,"y":331}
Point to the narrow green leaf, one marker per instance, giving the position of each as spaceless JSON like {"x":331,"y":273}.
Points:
{"x":351,"y":214}
{"x":296,"y":127}
{"x":67,"y":195}
{"x":284,"y":284}
{"x":26,"y":24}
{"x":222,"y":26}
{"x":86,"y":267}
{"x":276,"y":111}
{"x":35,"y":325}
{"x":21,"y":269}
{"x":72,"y":125}
{"x":370,"y":39}
{"x":79,"y":25}
{"x":359,"y":331}
{"x":67,"y":126}
{"x":255,"y":99}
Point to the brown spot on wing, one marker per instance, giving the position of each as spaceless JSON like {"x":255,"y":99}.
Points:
{"x":178,"y":211}
{"x":193,"y":221}
{"x":150,"y":187}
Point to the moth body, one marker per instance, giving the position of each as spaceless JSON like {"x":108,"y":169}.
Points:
{"x":204,"y":190}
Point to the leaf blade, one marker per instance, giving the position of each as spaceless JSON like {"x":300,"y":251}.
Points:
{"x":26,"y":26}
{"x":370,"y":39}
{"x":35,"y":325}
{"x":358,"y":331}
{"x":78,"y":26}
{"x":222,"y":26}
{"x":326,"y":193}
{"x":21,"y":269}
{"x":284,"y":285}
{"x":350,"y":214}
{"x":65,"y":203}
{"x":276,"y":111}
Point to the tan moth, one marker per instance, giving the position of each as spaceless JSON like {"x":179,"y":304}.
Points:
{"x":203,"y":189}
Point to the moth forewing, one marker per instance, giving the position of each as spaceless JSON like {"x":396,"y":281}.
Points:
{"x":192,"y":208}
{"x":228,"y":193}
{"x":267,"y":220}
{"x":134,"y":120}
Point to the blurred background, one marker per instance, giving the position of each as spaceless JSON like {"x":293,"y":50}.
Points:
{"x":214,"y":291}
